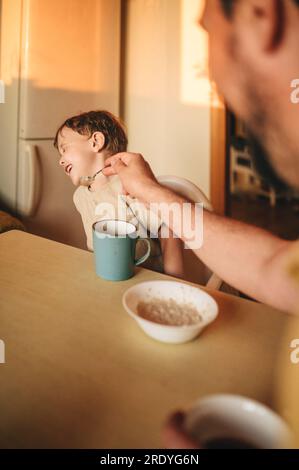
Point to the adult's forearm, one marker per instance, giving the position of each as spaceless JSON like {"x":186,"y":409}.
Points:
{"x":249,"y":258}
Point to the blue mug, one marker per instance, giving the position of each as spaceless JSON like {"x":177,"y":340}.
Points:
{"x":114,"y":245}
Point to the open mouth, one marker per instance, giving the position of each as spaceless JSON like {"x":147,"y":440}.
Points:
{"x":68,"y":169}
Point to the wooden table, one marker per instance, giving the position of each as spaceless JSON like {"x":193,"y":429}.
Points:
{"x":80,"y":373}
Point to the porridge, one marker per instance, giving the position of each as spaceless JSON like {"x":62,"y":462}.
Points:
{"x":168,"y":312}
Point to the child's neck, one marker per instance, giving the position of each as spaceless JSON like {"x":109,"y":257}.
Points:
{"x":100,"y":179}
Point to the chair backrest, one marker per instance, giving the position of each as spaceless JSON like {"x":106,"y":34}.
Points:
{"x":198,"y":271}
{"x":185,"y":188}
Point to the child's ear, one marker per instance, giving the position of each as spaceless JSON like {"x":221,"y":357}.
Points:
{"x":97,"y":141}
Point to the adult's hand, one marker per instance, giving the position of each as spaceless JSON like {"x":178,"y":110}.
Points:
{"x":174,"y":436}
{"x":134,"y":172}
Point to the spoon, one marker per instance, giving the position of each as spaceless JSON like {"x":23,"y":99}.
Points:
{"x":88,"y":180}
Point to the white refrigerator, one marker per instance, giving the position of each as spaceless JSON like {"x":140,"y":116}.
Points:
{"x":58,"y":58}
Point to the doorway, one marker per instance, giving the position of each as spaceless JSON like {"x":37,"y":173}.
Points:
{"x":251,"y":199}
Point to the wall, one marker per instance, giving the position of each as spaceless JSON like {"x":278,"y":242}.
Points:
{"x":166,"y":95}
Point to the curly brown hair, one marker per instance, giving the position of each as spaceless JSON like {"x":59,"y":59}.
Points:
{"x":98,"y":121}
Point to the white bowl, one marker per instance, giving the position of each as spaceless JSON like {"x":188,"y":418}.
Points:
{"x":236,"y":418}
{"x":180,"y":293}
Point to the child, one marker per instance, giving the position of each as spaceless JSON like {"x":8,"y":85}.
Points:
{"x":84,"y":142}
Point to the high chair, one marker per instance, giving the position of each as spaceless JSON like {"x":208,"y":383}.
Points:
{"x":195,"y":270}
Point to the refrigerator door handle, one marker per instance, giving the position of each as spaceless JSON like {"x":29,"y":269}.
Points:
{"x":29,"y":182}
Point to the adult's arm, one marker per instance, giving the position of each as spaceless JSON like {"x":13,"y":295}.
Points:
{"x":249,"y":258}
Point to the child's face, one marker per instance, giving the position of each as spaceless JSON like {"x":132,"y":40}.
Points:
{"x":78,"y":157}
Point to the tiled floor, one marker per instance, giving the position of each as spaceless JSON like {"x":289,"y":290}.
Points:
{"x":282,"y":220}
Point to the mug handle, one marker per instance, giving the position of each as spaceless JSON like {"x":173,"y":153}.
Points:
{"x":148,"y":252}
